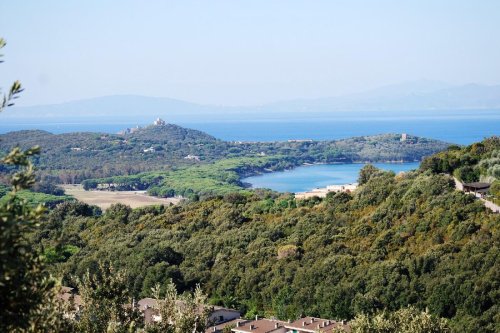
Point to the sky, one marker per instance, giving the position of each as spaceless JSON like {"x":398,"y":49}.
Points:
{"x":234,"y":52}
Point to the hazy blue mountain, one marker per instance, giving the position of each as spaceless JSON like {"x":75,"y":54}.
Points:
{"x":419,"y":96}
{"x":407,"y":88}
{"x":107,"y":106}
{"x":406,"y":98}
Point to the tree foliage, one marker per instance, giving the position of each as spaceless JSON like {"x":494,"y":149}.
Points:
{"x":179,"y":313}
{"x":405,"y":320}
{"x":27,"y":294}
{"x":398,"y":240}
{"x":107,"y":305}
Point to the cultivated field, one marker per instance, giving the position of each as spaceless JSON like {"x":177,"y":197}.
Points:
{"x":104,"y":199}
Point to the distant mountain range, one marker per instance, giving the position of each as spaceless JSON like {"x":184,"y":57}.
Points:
{"x":412,"y":97}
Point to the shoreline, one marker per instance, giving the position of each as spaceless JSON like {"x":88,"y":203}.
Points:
{"x":322,"y":192}
{"x":266,"y":171}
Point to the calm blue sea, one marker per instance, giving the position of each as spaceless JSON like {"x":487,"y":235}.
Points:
{"x":458,"y":130}
{"x":306,"y":178}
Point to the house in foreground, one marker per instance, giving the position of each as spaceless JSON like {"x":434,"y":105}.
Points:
{"x":222,"y":319}
{"x":263,"y":325}
{"x":217,"y":315}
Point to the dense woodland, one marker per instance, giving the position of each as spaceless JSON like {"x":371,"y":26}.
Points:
{"x":74,"y":157}
{"x":399,"y":240}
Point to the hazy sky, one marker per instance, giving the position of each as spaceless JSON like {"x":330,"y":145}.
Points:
{"x":243,"y":52}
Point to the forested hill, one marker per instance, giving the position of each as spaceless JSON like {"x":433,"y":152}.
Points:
{"x":397,"y":240}
{"x":74,"y":157}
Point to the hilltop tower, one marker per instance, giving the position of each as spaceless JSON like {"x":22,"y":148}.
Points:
{"x":159,"y":122}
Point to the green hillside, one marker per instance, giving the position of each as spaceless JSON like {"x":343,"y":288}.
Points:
{"x":74,"y":157}
{"x":401,"y":240}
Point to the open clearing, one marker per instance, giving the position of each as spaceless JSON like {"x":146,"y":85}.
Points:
{"x":104,"y":199}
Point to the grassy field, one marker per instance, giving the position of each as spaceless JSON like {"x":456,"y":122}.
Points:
{"x":104,"y":199}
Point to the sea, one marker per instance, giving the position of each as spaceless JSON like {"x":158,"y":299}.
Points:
{"x":306,"y":178}
{"x":458,"y":130}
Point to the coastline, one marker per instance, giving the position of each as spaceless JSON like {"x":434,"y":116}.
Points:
{"x":323,"y":191}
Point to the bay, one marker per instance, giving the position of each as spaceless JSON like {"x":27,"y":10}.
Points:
{"x":306,"y":178}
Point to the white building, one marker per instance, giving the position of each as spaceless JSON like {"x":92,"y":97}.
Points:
{"x":192,"y":157}
{"x":159,"y":122}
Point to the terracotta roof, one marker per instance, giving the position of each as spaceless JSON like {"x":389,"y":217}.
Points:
{"x":220,"y":327}
{"x":312,"y":324}
{"x":66,"y":297}
{"x":261,"y":326}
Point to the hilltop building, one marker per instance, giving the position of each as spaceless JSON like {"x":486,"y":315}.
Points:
{"x":159,"y":122}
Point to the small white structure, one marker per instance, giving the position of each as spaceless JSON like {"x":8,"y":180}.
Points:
{"x":159,"y":122}
{"x":342,"y":188}
{"x":149,"y":150}
{"x":404,"y":137}
{"x":192,"y":157}
{"x":322,"y":192}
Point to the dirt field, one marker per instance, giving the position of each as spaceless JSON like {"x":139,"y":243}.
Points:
{"x":104,"y":199}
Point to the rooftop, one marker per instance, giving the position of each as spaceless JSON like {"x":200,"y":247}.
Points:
{"x":260,"y":326}
{"x":477,"y":185}
{"x":218,"y":328}
{"x":311,"y":324}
